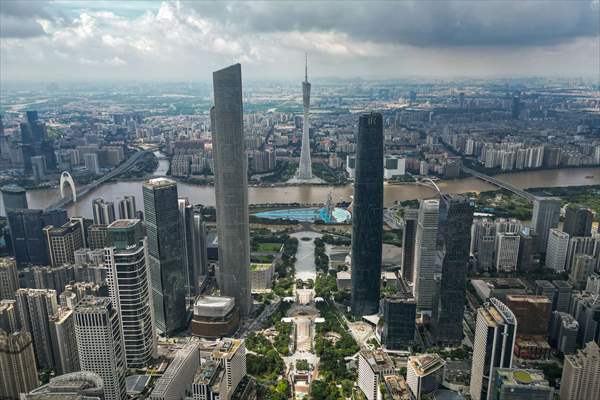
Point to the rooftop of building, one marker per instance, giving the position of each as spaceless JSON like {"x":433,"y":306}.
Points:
{"x":159,"y":182}
{"x":529,"y":377}
{"x":426,"y":364}
{"x":260,"y":266}
{"x":497,"y":313}
{"x":92,"y":304}
{"x":378,"y":360}
{"x":12,"y":188}
{"x":527,"y":298}
{"x":227,"y":348}
{"x":206,"y":373}
{"x":123,"y":223}
{"x":396,"y":387}
{"x":562,"y":284}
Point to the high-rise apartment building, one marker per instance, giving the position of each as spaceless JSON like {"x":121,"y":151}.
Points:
{"x":581,"y":374}
{"x":165,"y":255}
{"x":128,"y":280}
{"x":455,"y":219}
{"x":64,"y":344}
{"x":62,"y":242}
{"x":305,"y":166}
{"x":9,"y":278}
{"x":578,"y":221}
{"x":35,"y":307}
{"x":100,"y":344}
{"x":18,"y":373}
{"x":367,"y":218}
{"x":520,"y":384}
{"x":427,"y":267}
{"x":495,"y":335}
{"x":9,"y":317}
{"x":103,"y":211}
{"x":546,"y":215}
{"x":231,"y":187}
{"x":372,"y":367}
{"x":556,"y":251}
{"x":507,"y":251}
{"x":127,"y":208}
{"x":409,"y":234}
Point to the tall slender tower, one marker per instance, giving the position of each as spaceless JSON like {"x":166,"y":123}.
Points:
{"x":231,"y":187}
{"x":305,"y":168}
{"x":367,"y":221}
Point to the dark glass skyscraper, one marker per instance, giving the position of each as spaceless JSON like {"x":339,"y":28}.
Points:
{"x":399,"y":319}
{"x":578,"y":221}
{"x":411,"y":216}
{"x":231,"y":187}
{"x":167,"y":269}
{"x":14,"y":197}
{"x":367,"y":221}
{"x":456,"y":218}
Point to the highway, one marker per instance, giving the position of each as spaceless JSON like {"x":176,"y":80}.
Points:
{"x":501,"y":184}
{"x":62,"y":203}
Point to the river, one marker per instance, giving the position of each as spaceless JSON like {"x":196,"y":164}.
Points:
{"x":315,"y":193}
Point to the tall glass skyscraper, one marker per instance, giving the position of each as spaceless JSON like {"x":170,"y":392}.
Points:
{"x":167,"y":269}
{"x":426,"y":269}
{"x":456,"y":218}
{"x":367,"y":221}
{"x":231,"y":187}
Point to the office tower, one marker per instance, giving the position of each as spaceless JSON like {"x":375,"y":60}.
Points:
{"x":367,"y":218}
{"x":532,"y":313}
{"x":585,"y":308}
{"x":495,"y":334}
{"x":527,"y":250}
{"x":64,"y":345}
{"x":179,"y":374}
{"x":515,"y":109}
{"x":578,"y":221}
{"x":13,"y":197}
{"x":583,"y":267}
{"x":72,"y":386}
{"x":424,"y":374}
{"x":483,"y":242}
{"x":410,"y":218}
{"x":90,"y":160}
{"x":372,"y":367}
{"x":62,"y":242}
{"x":508,"y":225}
{"x":593,"y":284}
{"x":563,"y":332}
{"x":128,"y":280}
{"x":18,"y":373}
{"x":426,"y":270}
{"x":38,"y":167}
{"x":209,"y":382}
{"x":127,"y":209}
{"x":520,"y":384}
{"x":100,"y":344}
{"x":399,"y":319}
{"x":507,"y":251}
{"x":186,"y":218}
{"x":305,"y":167}
{"x":9,"y":278}
{"x":562,"y":299}
{"x":589,"y":245}
{"x":546,"y":215}
{"x":556,"y":251}
{"x":35,"y":307}
{"x":27,"y":236}
{"x":9,"y":318}
{"x":231,"y":187}
{"x":581,"y":374}
{"x":455,"y":219}
{"x":103,"y":211}
{"x":231,"y":355}
{"x":199,"y":248}
{"x":165,"y":255}
{"x":96,"y":236}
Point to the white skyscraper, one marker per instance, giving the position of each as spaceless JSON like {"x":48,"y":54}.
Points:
{"x":427,"y":267}
{"x":495,"y":334}
{"x":100,"y":344}
{"x":507,"y":251}
{"x":556,"y":251}
{"x":581,"y":374}
{"x":305,"y":168}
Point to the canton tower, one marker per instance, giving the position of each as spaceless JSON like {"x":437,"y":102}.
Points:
{"x":305,"y":168}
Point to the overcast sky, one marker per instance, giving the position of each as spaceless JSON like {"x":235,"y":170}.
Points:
{"x":186,"y":40}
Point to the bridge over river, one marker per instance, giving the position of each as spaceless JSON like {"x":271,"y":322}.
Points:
{"x":516,"y":190}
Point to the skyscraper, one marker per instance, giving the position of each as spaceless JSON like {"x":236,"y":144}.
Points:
{"x":399,"y":319}
{"x":64,"y":344}
{"x":456,"y":217}
{"x":546,"y":215}
{"x":9,"y":279}
{"x":128,"y":280}
{"x":367,"y":219}
{"x":13,"y":197}
{"x":411,"y":216}
{"x":556,"y":250}
{"x":199,"y":248}
{"x":507,"y":251}
{"x":427,"y":269}
{"x":495,"y":335}
{"x":578,"y":221}
{"x":104,"y":211}
{"x":186,"y":227}
{"x":305,"y":167}
{"x":165,"y":254}
{"x":127,"y":208}
{"x":62,"y":242}
{"x":100,"y":344}
{"x":18,"y":373}
{"x":581,"y":374}
{"x":231,"y":187}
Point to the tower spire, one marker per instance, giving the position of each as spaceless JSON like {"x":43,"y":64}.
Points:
{"x":305,"y":67}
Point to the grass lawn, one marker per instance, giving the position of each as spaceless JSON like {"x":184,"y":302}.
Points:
{"x":269,"y":247}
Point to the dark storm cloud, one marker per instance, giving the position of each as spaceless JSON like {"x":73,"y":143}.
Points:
{"x":419,"y":23}
{"x":18,"y":18}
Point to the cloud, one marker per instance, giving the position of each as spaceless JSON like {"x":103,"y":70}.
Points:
{"x":418,"y":23}
{"x":23,"y":19}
